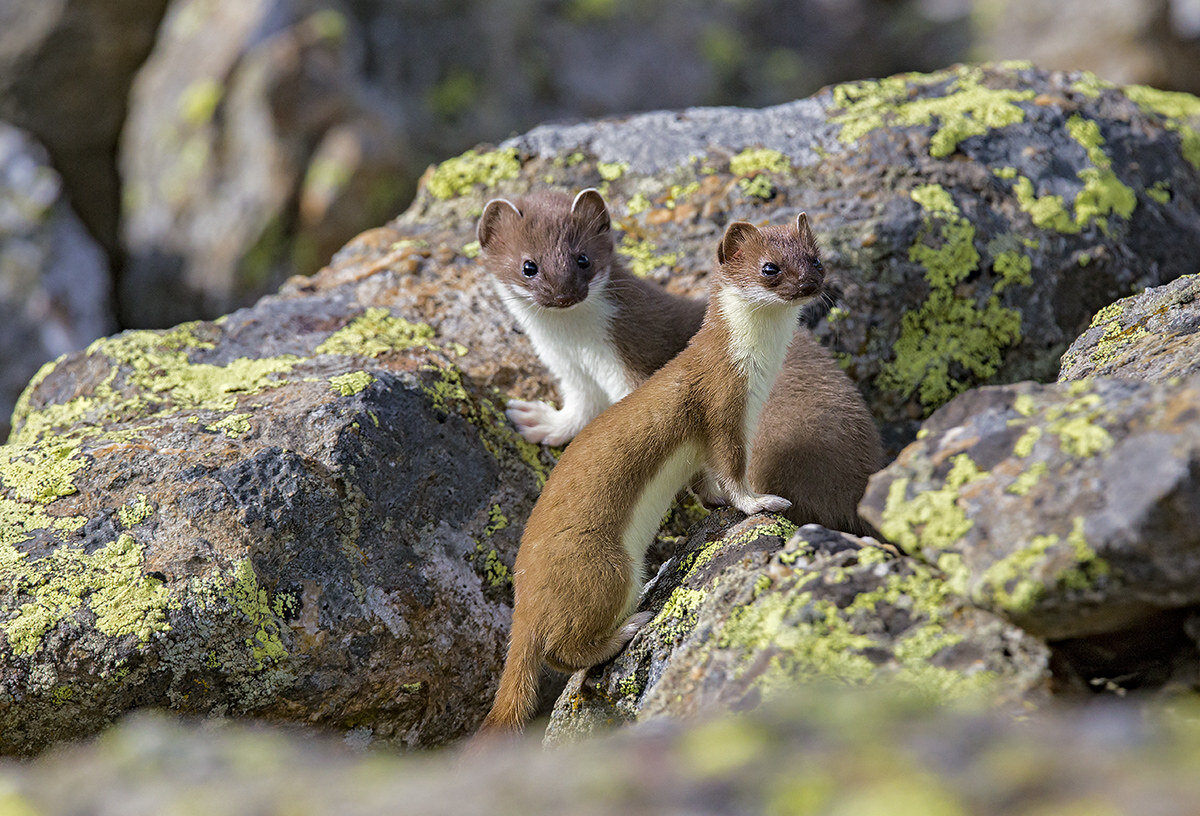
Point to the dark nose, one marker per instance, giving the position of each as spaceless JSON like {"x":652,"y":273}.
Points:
{"x":807,"y":288}
{"x":569,"y":298}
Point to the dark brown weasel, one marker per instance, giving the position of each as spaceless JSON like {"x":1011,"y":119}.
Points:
{"x":602,"y":331}
{"x":578,"y":572}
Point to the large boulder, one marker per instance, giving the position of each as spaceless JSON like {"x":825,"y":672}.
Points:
{"x":813,"y":753}
{"x":300,"y":512}
{"x":1152,"y":336}
{"x":54,"y":285}
{"x":1072,"y":510}
{"x":65,"y":71}
{"x":973,"y":220}
{"x":748,"y":609}
{"x":252,"y":152}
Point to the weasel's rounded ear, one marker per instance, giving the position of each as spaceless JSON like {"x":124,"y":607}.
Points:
{"x":736,"y":236}
{"x":496,"y":210}
{"x":589,"y":207}
{"x":803,"y":228}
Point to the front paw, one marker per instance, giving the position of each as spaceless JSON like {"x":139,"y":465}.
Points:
{"x":763,"y":504}
{"x":540,"y":422}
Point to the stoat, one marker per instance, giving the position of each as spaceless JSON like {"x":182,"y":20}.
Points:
{"x":578,"y":571}
{"x":601,"y":331}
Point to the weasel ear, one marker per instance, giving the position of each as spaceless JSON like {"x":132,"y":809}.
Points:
{"x":806,"y":233}
{"x":736,"y":236}
{"x":590,"y":208}
{"x":496,"y":210}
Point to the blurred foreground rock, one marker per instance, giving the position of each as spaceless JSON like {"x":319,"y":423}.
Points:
{"x":817,"y":751}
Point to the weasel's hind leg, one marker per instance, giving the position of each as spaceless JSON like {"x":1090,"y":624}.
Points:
{"x":599,"y":650}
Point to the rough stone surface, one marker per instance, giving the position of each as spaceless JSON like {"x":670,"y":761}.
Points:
{"x":54,"y":284}
{"x":749,"y":609}
{"x":813,"y":753}
{"x":65,"y":71}
{"x":974,"y":220}
{"x":1153,"y":336}
{"x":1070,"y":509}
{"x":251,"y":153}
{"x":302,"y":511}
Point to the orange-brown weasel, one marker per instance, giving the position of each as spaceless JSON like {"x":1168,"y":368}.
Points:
{"x":601,"y":331}
{"x":578,"y":572}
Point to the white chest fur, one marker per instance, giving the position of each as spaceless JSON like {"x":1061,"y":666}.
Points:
{"x":575,"y":343}
{"x":759,"y":334}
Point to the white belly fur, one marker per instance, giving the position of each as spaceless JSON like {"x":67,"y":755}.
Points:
{"x":647,"y":515}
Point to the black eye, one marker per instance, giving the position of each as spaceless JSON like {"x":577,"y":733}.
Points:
{"x":820,"y":267}
{"x":583,"y":261}
{"x":530,"y":269}
{"x":770,"y":270}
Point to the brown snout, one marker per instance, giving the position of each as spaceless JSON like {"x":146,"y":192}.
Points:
{"x":565,"y":299}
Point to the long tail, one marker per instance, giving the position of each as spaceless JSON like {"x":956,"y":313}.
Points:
{"x":517,"y":695}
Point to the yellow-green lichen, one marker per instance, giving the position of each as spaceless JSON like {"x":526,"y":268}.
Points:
{"x":1174,"y":107}
{"x":964,"y":107}
{"x":41,"y":473}
{"x":932,"y":520}
{"x":949,"y":331}
{"x":254,"y":602}
{"x":679,"y":192}
{"x":199,"y":100}
{"x":109,"y":581}
{"x":374,"y":332}
{"x":1018,"y":581}
{"x":1025,"y":443}
{"x":638,"y":204}
{"x":234,"y":426}
{"x":1159,"y":192}
{"x":1028,"y":480}
{"x":497,"y":521}
{"x":132,"y":514}
{"x":491,"y":567}
{"x":460,"y":175}
{"x":1103,"y":194}
{"x":351,"y":383}
{"x":642,"y":257}
{"x":757,"y":160}
{"x":808,"y":637}
{"x":611,"y":171}
{"x":757,"y":187}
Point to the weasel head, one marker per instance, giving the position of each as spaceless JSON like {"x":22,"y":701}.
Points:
{"x":771,"y":265}
{"x":547,"y":248}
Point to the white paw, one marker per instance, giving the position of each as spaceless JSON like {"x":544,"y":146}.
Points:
{"x":762,"y":504}
{"x":540,"y":422}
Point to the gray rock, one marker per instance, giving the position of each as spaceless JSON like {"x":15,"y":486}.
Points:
{"x":252,"y":152}
{"x":300,"y":512}
{"x":750,"y":609}
{"x":818,"y":751}
{"x":54,"y":283}
{"x":963,"y":253}
{"x":1072,"y":509}
{"x":1153,"y":336}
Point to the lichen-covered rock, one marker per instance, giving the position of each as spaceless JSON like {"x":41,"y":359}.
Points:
{"x":302,"y":511}
{"x":817,"y":752}
{"x":1152,"y":336}
{"x":251,"y":153}
{"x":751,"y":608}
{"x":1071,"y":509}
{"x":54,"y":284}
{"x":974,"y":219}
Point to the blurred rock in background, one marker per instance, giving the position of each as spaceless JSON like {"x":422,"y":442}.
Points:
{"x":54,"y":280}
